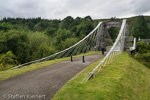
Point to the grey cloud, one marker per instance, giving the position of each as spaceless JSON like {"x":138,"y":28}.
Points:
{"x":141,"y":6}
{"x":58,"y":9}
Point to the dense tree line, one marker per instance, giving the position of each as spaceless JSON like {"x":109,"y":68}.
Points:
{"x":23,"y":40}
{"x":141,"y":29}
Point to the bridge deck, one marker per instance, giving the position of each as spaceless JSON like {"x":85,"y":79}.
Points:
{"x":46,"y":81}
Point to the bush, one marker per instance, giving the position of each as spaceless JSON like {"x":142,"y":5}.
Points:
{"x":143,"y":47}
{"x":7,"y":60}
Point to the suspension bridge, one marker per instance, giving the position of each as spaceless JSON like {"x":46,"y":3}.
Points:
{"x":47,"y":81}
{"x":94,"y":42}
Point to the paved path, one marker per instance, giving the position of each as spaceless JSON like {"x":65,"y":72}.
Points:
{"x":42,"y":84}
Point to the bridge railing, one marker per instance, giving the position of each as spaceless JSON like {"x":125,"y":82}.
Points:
{"x":116,"y":49}
{"x":134,"y":45}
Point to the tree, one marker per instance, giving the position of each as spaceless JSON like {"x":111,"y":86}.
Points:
{"x":84,"y":28}
{"x":114,"y":19}
{"x":30,"y":25}
{"x":66,"y":22}
{"x":50,"y":31}
{"x":75,"y":23}
{"x":113,"y":32}
{"x":43,"y":51}
{"x":16,"y":42}
{"x":5,"y":27}
{"x":68,"y":42}
{"x":37,"y":41}
{"x":41,"y":26}
{"x":8,"y":58}
{"x":61,"y":35}
{"x":141,"y":29}
{"x":143,"y":47}
{"x":88,"y":18}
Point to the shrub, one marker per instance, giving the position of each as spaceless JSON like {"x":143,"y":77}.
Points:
{"x":7,"y":59}
{"x":142,"y":47}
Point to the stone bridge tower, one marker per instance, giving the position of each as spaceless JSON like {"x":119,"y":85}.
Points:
{"x":103,"y":30}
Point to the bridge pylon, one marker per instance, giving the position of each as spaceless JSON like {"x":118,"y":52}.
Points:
{"x":102,"y":34}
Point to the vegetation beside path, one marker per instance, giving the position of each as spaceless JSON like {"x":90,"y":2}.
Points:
{"x":14,"y":72}
{"x":124,"y":79}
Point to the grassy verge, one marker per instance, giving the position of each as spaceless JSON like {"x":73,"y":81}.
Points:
{"x":14,"y":72}
{"x":123,"y":79}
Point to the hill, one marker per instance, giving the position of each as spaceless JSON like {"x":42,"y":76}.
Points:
{"x":124,"y":79}
{"x":130,"y":19}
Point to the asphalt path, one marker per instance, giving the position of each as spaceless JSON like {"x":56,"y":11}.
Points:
{"x":42,"y":84}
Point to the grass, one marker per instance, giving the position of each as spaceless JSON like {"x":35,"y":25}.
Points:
{"x":18,"y":71}
{"x":123,"y":79}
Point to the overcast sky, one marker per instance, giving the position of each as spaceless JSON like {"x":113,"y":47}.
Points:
{"x":59,"y":9}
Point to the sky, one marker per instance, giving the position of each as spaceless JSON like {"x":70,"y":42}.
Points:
{"x":59,"y":9}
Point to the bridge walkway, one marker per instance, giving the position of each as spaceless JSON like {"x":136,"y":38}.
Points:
{"x":46,"y":81}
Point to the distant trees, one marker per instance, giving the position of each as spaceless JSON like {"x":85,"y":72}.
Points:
{"x":68,"y":42}
{"x":75,"y":23}
{"x":141,"y":28}
{"x":61,"y":35}
{"x":14,"y":21}
{"x":66,"y":22}
{"x":39,"y":45}
{"x":5,"y":27}
{"x":14,"y":41}
{"x":113,"y":32}
{"x":114,"y":19}
{"x":30,"y":25}
{"x":71,"y":29}
{"x":85,"y":27}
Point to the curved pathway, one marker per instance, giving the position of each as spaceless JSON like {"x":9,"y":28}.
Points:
{"x":42,"y":84}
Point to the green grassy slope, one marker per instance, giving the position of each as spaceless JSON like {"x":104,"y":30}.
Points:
{"x":123,"y":79}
